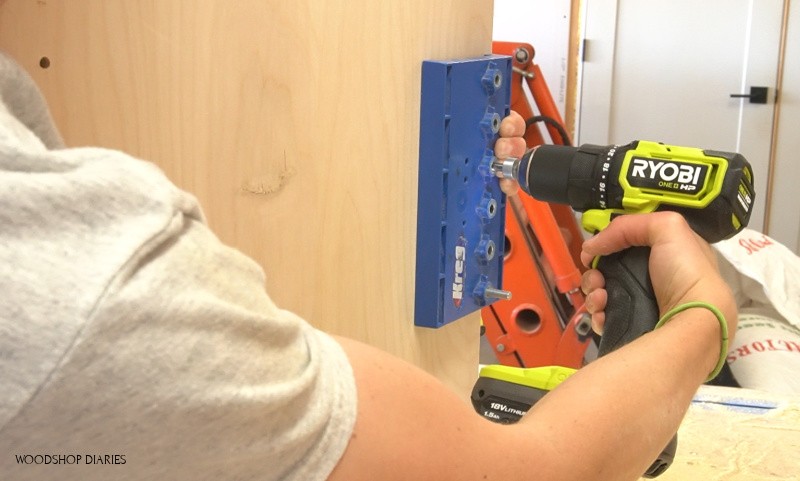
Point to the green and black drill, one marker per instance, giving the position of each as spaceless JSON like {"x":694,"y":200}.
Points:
{"x":712,"y":190}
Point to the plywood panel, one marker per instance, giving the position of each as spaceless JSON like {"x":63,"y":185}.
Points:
{"x":295,"y":124}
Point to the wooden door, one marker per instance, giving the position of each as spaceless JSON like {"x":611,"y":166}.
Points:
{"x":664,"y":70}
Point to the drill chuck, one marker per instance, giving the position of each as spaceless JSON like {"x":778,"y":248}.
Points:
{"x":556,"y":173}
{"x":565,"y":175}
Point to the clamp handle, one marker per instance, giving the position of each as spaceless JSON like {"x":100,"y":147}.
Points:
{"x":631,"y":311}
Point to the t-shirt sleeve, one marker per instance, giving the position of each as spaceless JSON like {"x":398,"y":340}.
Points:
{"x":187,"y":370}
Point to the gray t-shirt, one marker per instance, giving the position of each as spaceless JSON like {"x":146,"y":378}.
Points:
{"x":133,"y":344}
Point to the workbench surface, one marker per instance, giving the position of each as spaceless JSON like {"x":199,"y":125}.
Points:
{"x":738,"y":435}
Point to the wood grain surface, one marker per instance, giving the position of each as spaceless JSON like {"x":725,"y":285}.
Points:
{"x":296,"y":124}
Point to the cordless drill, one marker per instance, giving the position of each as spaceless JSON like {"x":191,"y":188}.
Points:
{"x":712,"y":190}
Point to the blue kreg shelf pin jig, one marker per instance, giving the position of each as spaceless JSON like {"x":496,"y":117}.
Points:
{"x":461,"y":209}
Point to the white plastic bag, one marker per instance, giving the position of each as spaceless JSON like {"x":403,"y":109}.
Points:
{"x":765,"y":354}
{"x":764,"y":273}
{"x":765,"y":278}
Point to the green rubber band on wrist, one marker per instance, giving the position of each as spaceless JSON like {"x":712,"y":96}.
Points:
{"x":723,"y":352}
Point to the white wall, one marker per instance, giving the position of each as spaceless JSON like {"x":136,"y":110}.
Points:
{"x":594,"y":97}
{"x":545,"y":25}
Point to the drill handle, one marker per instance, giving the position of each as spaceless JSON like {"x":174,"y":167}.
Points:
{"x":631,"y":309}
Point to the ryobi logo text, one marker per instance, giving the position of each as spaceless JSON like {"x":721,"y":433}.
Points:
{"x":668,"y":175}
{"x":459,"y":266}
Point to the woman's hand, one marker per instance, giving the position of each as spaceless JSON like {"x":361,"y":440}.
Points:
{"x":683,"y":267}
{"x":510,"y":144}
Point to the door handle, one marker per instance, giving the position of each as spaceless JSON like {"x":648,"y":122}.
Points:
{"x":757,"y":95}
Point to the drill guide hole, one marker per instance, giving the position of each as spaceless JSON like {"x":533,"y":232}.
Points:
{"x":491,"y":209}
